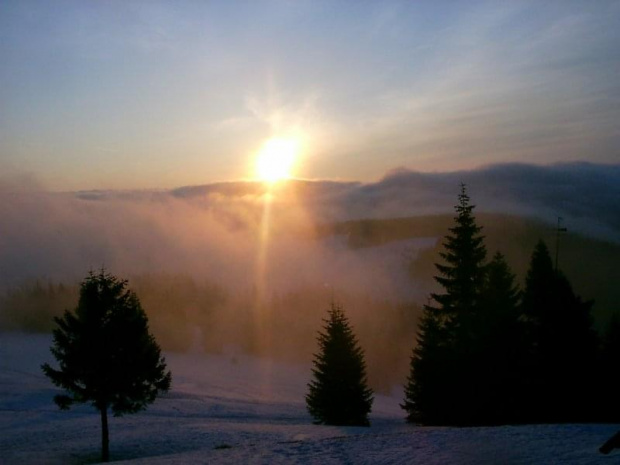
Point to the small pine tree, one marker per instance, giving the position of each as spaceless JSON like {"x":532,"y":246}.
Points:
{"x":107,"y":356}
{"x":338,"y":394}
{"x":439,"y":388}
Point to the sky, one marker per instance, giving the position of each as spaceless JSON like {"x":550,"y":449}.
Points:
{"x":137,"y":94}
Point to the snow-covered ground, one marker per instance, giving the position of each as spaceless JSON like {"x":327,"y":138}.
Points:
{"x":237,"y":409}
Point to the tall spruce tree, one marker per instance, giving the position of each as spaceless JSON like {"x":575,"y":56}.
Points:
{"x":338,"y":394}
{"x":440,"y":387}
{"x":563,"y":345}
{"x":106,"y":355}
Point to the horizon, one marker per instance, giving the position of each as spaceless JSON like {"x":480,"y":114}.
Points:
{"x":28,"y":181}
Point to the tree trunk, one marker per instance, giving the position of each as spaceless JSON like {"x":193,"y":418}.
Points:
{"x":105,"y":438}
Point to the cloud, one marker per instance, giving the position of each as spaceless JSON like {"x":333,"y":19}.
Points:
{"x":218,"y":230}
{"x":585,"y":195}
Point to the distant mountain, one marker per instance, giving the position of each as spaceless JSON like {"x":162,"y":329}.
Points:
{"x":585,"y":195}
{"x":303,"y":188}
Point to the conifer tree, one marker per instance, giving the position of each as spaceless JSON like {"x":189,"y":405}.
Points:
{"x":106,"y":355}
{"x":563,"y":345}
{"x":463,"y":273}
{"x":539,"y":284}
{"x":429,"y":385}
{"x":338,"y":394}
{"x":609,"y":405}
{"x":439,"y":388}
{"x":499,"y":350}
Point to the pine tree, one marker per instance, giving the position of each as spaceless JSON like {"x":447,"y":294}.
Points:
{"x":563,"y":345}
{"x":539,"y":284}
{"x":338,"y":394}
{"x":439,"y":388}
{"x":609,"y":405}
{"x":463,"y":273}
{"x":106,"y":355}
{"x":499,"y":346}
{"x":429,"y":385}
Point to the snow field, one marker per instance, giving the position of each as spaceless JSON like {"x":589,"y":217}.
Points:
{"x":226,"y":409}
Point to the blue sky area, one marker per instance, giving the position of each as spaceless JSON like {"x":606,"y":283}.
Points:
{"x":130,"y":94}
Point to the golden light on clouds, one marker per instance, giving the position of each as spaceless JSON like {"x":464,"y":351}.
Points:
{"x":276,"y":159}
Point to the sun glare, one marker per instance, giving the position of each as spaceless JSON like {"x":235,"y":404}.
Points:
{"x":276,"y":159}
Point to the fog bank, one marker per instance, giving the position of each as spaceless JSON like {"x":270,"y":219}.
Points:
{"x":232,"y":232}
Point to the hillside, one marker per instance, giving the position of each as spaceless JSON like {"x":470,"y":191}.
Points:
{"x":590,"y":263}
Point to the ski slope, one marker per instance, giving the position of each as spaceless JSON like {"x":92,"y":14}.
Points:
{"x":237,"y":409}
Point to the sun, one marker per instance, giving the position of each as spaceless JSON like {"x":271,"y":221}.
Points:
{"x":276,"y":159}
